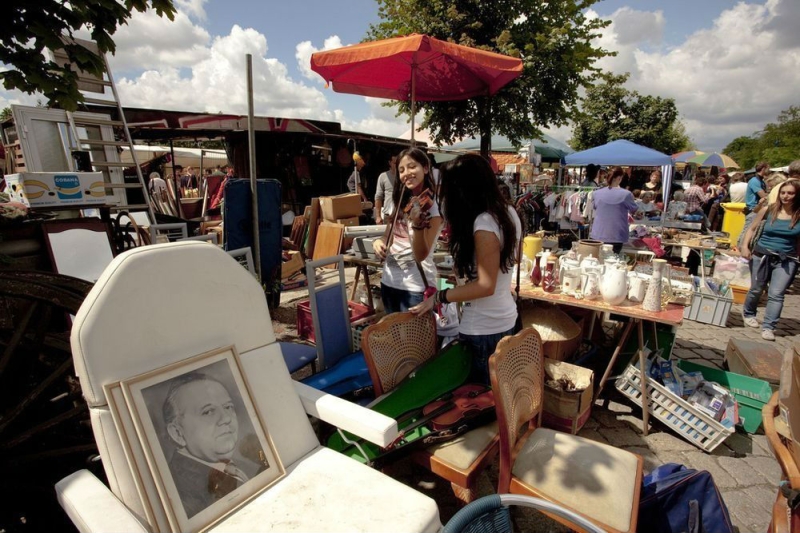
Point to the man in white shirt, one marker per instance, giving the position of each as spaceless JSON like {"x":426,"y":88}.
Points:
{"x":738,"y":188}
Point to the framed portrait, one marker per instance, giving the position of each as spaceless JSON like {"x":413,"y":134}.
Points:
{"x":203,"y":439}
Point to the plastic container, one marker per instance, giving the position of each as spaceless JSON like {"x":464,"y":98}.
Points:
{"x":531,"y":245}
{"x":733,"y":221}
{"x":678,"y":414}
{"x":305,"y":323}
{"x":709,"y":309}
{"x":751,"y":393}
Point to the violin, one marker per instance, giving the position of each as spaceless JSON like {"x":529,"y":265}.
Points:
{"x":466,"y":402}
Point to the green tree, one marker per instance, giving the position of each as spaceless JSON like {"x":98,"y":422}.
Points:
{"x":610,"y":112}
{"x":778,"y":142}
{"x":29,"y":28}
{"x":5,"y":114}
{"x":553,"y":39}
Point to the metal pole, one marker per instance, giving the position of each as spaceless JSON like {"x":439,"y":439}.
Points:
{"x":251,"y":142}
{"x":176,"y":183}
{"x":413,"y":100}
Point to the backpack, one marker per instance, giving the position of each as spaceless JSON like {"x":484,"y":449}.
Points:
{"x":676,"y":499}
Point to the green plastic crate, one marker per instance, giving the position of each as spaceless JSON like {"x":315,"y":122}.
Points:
{"x":750,"y":393}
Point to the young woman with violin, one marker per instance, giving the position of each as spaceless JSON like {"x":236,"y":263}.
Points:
{"x":773,"y":257}
{"x":409,"y":267}
{"x":484,"y":232}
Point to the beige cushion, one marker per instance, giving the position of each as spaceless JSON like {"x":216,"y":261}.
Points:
{"x":596,"y":479}
{"x":462,"y":451}
{"x":328,"y":491}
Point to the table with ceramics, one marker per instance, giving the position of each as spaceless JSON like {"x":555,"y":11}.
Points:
{"x":614,"y":282}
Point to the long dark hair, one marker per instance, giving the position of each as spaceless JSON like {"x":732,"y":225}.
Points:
{"x":399,"y":190}
{"x":469,"y":188}
{"x":776,"y":208}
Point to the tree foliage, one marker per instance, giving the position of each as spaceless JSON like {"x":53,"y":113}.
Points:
{"x":778,"y":142}
{"x":30,"y":27}
{"x":5,"y":114}
{"x":552,"y":38}
{"x":610,"y":112}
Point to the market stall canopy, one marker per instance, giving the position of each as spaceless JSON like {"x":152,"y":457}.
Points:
{"x":415,"y":68}
{"x":619,"y":153}
{"x":551,"y":149}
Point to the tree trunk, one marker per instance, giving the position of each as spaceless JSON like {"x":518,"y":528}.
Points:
{"x":485,"y":125}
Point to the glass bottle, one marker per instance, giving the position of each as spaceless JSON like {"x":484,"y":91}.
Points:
{"x":536,"y":272}
{"x":549,"y":281}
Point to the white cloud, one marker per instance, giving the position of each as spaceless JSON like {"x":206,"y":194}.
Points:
{"x":727,"y":80}
{"x":193,"y":8}
{"x":218,"y":83}
{"x":304,"y":51}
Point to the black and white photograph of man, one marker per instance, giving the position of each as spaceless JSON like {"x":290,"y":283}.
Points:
{"x":206,"y":435}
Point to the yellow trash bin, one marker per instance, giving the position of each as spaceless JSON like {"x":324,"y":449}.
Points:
{"x":733,"y":221}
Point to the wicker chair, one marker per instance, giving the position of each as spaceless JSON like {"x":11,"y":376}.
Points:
{"x":397,"y":345}
{"x":393,"y":348}
{"x":597,"y":481}
{"x":784,"y":519}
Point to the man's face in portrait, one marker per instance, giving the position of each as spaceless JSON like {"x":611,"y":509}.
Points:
{"x":206,"y":424}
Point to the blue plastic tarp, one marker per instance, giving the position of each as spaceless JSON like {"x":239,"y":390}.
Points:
{"x":619,"y":153}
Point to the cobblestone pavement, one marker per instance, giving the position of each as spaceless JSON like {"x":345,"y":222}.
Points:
{"x":743,"y":467}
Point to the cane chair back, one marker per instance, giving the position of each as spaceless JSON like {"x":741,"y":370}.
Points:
{"x":397,"y":345}
{"x":597,"y":481}
{"x":517,"y":369}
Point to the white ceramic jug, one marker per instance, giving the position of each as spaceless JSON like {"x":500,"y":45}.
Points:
{"x":570,"y":280}
{"x":614,"y":285}
{"x":637,"y":285}
{"x":591,"y":285}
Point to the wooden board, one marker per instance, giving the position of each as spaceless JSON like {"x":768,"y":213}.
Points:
{"x":329,"y":240}
{"x":312,"y":226}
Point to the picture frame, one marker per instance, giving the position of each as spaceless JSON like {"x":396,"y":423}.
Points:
{"x":205,"y":443}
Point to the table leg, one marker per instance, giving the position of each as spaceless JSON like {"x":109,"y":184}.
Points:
{"x":643,"y":369}
{"x":369,"y":289}
{"x":591,"y":325}
{"x":655,"y":337}
{"x":355,"y":282}
{"x":625,"y":334}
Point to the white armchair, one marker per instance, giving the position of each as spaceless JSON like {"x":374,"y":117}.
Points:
{"x":161,"y":304}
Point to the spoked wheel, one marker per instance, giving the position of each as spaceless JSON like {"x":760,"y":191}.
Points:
{"x":45,"y":432}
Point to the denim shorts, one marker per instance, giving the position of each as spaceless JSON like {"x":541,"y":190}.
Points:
{"x":482,"y":347}
{"x":399,"y":300}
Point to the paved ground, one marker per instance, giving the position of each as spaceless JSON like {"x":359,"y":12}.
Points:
{"x":743,"y":467}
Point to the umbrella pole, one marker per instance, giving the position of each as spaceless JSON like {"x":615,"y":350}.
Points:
{"x":413,"y":100}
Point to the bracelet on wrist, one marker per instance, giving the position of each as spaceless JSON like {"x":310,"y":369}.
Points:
{"x":443,"y":296}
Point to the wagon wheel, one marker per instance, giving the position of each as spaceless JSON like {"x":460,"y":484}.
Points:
{"x":45,"y":433}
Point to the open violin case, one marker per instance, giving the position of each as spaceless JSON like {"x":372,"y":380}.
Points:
{"x":432,"y":404}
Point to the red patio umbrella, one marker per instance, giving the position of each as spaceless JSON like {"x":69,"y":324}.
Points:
{"x":415,"y":68}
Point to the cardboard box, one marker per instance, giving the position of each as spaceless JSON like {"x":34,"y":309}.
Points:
{"x":56,"y":189}
{"x":565,"y":408}
{"x":342,"y":206}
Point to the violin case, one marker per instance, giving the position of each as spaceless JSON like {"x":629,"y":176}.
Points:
{"x":434,"y":382}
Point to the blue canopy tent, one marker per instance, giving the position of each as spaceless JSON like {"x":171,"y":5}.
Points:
{"x":626,"y":153}
{"x":552,"y":150}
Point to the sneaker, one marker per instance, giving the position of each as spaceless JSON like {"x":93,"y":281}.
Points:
{"x":767,"y":335}
{"x":750,"y":321}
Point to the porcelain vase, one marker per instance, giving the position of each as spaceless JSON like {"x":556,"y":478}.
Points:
{"x":536,"y":272}
{"x":549,"y":281}
{"x":653,"y":296}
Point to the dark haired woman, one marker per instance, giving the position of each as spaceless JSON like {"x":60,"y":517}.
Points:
{"x":611,"y":207}
{"x":773,"y":259}
{"x":413,"y":236}
{"x":484,"y":232}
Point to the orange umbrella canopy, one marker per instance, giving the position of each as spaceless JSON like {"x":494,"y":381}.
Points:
{"x":416,"y":68}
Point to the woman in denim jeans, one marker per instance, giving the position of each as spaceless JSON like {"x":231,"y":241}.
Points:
{"x":773,"y":259}
{"x":484,"y":233}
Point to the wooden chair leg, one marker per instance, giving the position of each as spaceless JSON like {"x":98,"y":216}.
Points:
{"x":464,"y":494}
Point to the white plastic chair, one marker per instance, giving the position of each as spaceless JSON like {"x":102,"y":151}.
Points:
{"x":153,"y":307}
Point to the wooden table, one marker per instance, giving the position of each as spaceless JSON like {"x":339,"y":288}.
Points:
{"x":672,"y":315}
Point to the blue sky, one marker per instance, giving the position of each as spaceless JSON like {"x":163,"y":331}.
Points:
{"x":731,"y":66}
